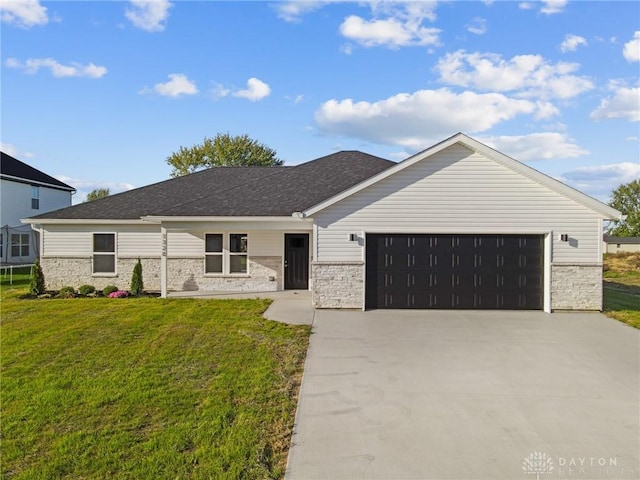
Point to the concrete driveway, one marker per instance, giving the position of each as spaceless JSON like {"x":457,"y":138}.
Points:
{"x":468,"y":395}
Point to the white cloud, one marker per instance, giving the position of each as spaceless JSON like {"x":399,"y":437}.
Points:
{"x":536,"y":146}
{"x":631,"y":49}
{"x":58,"y":70}
{"x":417,"y":120}
{"x":395,"y":24}
{"x":219,"y":91}
{"x":23,"y":13}
{"x":294,"y":11}
{"x":149,"y":15}
{"x":527,"y":75}
{"x":177,"y":86}
{"x":601,"y":180}
{"x":624,"y":103}
{"x":478,"y":26}
{"x":12,"y":150}
{"x":553,"y":6}
{"x":548,"y":7}
{"x":572,"y":42}
{"x":256,"y":90}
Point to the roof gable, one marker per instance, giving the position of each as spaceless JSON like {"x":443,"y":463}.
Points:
{"x":13,"y":169}
{"x":500,"y":158}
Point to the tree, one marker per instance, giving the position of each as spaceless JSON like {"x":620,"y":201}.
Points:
{"x":223,"y":150}
{"x":97,"y":193}
{"x":626,"y":199}
{"x":137,"y":285}
{"x":36,"y":282}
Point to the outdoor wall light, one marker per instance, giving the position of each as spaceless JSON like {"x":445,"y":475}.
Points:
{"x":564,"y":237}
{"x":353,"y":237}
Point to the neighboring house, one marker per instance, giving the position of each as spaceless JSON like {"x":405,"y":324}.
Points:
{"x":620,"y":244}
{"x":458,"y":225}
{"x":25,"y":192}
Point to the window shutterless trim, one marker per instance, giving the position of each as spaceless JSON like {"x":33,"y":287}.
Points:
{"x":114,"y":254}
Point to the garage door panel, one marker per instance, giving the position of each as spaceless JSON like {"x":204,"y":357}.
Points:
{"x":454,"y":271}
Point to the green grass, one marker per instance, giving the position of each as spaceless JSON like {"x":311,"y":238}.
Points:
{"x":145,"y":388}
{"x":622,"y":288}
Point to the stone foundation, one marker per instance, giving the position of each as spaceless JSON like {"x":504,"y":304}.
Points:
{"x":187,"y":274}
{"x":75,"y":271}
{"x":576,"y":287}
{"x":337,"y":284}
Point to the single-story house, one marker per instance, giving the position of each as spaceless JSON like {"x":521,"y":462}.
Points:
{"x":458,"y":225}
{"x":620,"y":244}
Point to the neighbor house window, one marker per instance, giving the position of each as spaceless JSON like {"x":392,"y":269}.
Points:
{"x":1,"y":245}
{"x":213,"y":253}
{"x":104,"y":253}
{"x":35,"y":197}
{"x":225,"y":254}
{"x":19,"y":244}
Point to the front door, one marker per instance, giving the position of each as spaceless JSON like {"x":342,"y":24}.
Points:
{"x":296,"y":261}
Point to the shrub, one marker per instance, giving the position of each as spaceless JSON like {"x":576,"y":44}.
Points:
{"x":109,"y":289}
{"x":36,"y":282}
{"x":119,"y":294}
{"x":66,"y":292}
{"x":86,"y":289}
{"x":137,"y":285}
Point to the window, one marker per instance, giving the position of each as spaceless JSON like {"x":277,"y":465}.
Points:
{"x":213,"y":253}
{"x":19,"y":244}
{"x":225,"y":254}
{"x":1,"y":245}
{"x":35,"y":197}
{"x":104,"y":253}
{"x":238,"y":253}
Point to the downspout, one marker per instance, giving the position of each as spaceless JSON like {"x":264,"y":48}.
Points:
{"x":40,"y":231}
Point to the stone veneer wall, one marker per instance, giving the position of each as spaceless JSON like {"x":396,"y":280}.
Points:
{"x":576,"y":287}
{"x":337,"y":284}
{"x":75,"y":271}
{"x":187,"y":274}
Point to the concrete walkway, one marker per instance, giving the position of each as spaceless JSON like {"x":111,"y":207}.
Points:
{"x":468,"y":395}
{"x":289,"y":306}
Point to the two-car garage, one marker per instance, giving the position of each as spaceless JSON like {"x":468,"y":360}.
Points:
{"x":448,"y":271}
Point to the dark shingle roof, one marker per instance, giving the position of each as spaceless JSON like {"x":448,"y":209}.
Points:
{"x":236,"y":191}
{"x":627,"y":240}
{"x":12,"y":167}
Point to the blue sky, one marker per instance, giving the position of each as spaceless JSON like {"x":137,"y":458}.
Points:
{"x":98,"y":94}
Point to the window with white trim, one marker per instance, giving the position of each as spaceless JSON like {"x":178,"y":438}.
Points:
{"x":213,"y":253}
{"x":226,"y":253}
{"x":238,"y":253}
{"x":19,"y":244}
{"x":104,"y":253}
{"x":35,"y":197}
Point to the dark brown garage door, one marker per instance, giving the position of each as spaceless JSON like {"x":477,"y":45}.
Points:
{"x":454,"y":271}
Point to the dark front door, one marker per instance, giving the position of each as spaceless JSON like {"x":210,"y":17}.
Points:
{"x":296,"y":261}
{"x":454,"y":271}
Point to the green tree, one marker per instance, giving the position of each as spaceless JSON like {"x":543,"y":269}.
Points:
{"x":97,"y":193}
{"x":36,"y":282}
{"x":626,"y":199}
{"x":137,"y":285}
{"x":223,"y":150}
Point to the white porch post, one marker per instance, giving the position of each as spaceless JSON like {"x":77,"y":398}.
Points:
{"x":163,"y":263}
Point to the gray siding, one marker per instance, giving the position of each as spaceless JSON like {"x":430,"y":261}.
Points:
{"x":458,"y":191}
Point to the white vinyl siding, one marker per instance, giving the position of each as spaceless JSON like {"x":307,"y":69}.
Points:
{"x":262,"y":243}
{"x":76,"y":240}
{"x":458,"y":191}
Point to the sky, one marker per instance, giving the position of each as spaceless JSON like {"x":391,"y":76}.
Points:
{"x":99,"y":93}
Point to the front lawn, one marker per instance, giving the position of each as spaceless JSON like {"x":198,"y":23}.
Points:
{"x":146,"y":387}
{"x":622,"y":287}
